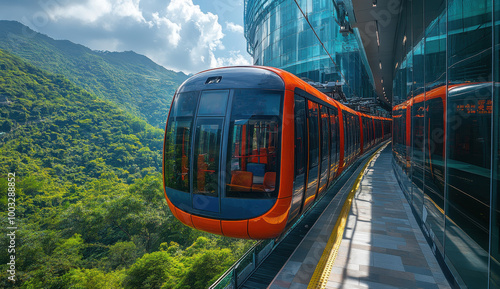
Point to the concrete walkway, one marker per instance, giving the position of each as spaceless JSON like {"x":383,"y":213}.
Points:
{"x":382,"y":245}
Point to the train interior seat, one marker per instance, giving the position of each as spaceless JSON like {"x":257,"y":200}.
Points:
{"x":241,"y":180}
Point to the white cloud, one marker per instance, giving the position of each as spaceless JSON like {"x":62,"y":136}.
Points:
{"x":235,"y":58}
{"x":92,"y":11}
{"x":174,"y":33}
{"x":194,"y":38}
{"x":234,"y":27}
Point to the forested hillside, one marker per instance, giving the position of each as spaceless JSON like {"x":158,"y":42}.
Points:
{"x":90,"y":209}
{"x":130,"y":80}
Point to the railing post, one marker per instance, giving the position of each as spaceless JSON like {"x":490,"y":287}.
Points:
{"x":235,"y":277}
{"x":253,"y":260}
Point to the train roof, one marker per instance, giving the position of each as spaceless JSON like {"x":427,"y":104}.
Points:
{"x":255,"y":77}
{"x":230,"y":77}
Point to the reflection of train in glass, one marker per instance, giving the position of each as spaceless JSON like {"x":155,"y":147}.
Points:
{"x":435,"y":130}
{"x":249,"y":149}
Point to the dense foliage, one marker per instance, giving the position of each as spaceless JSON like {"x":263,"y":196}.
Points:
{"x":90,"y":206}
{"x":132,"y":81}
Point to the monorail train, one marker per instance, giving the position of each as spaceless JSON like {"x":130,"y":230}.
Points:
{"x":248,"y":150}
{"x":449,"y":125}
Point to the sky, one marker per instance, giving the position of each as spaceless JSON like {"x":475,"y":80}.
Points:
{"x":181,"y":35}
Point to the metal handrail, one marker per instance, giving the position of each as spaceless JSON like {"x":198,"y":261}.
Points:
{"x":230,"y":278}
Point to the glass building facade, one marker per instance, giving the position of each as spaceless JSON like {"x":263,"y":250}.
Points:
{"x":279,"y":36}
{"x":446,"y":90}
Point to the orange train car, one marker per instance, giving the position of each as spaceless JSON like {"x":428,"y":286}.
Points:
{"x":247,"y":150}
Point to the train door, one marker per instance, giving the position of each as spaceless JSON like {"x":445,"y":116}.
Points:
{"x":206,"y":151}
{"x":206,"y":162}
{"x":299,"y":155}
{"x":313,"y":149}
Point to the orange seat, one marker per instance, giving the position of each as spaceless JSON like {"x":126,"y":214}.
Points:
{"x":263,"y":154}
{"x":241,"y":181}
{"x":269,"y":181}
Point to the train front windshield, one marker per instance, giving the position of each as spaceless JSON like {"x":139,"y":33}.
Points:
{"x":206,"y":137}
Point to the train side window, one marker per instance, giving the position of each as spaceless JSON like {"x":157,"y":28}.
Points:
{"x":346,"y":138}
{"x":334,"y":131}
{"x":178,"y":141}
{"x":356,"y":128}
{"x":253,"y":146}
{"x":325,"y":153}
{"x":300,"y":138}
{"x":313,"y":134}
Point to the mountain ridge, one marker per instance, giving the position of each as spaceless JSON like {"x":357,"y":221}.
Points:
{"x":131,"y":80}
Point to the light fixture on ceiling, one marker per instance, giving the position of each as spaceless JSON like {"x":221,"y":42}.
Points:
{"x":404,"y":40}
{"x":382,"y":80}
{"x":374,"y":3}
{"x":378,"y":39}
{"x":380,"y":64}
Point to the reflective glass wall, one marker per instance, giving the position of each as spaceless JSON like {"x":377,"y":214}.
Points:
{"x":279,"y":36}
{"x":446,"y":89}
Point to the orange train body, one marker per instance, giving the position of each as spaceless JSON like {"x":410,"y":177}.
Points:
{"x":248,"y":150}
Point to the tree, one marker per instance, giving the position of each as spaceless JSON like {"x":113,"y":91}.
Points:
{"x":154,"y":271}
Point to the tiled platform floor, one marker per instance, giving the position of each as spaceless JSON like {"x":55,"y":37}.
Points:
{"x":382,"y":246}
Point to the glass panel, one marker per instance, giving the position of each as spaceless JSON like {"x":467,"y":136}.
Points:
{"x":252,"y":162}
{"x":469,"y":139}
{"x":325,"y":136}
{"x":178,"y":141}
{"x":435,"y":79}
{"x":206,"y":156}
{"x":434,"y":166}
{"x":313,"y":133}
{"x":185,"y":104}
{"x":213,"y":102}
{"x":469,"y":161}
{"x":177,"y":147}
{"x":417,"y":159}
{"x":495,"y":219}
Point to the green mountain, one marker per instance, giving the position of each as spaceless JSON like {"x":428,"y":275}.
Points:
{"x":89,"y":201}
{"x":132,"y":81}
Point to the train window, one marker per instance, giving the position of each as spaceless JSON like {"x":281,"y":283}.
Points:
{"x":325,"y":153}
{"x":252,"y":160}
{"x":346,"y":138}
{"x":357,"y":128}
{"x":178,"y":141}
{"x":334,"y":143}
{"x":213,"y":102}
{"x":184,"y":104}
{"x":300,"y":139}
{"x":313,"y":133}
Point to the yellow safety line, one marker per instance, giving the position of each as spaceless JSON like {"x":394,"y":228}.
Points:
{"x":325,"y":264}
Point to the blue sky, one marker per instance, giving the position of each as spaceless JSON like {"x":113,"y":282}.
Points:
{"x":182,"y":35}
